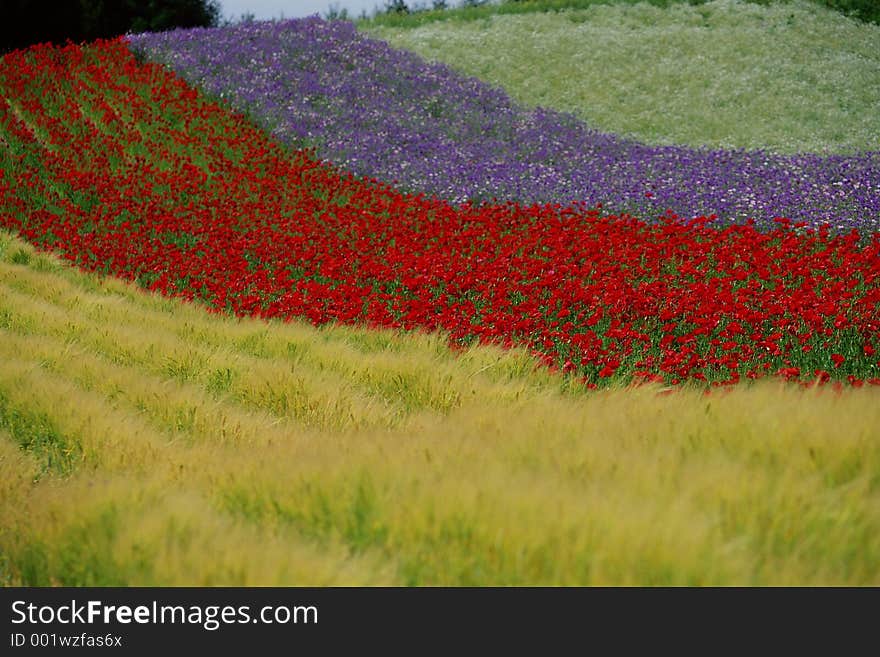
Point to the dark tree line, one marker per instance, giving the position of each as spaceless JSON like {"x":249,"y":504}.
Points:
{"x":24,"y":22}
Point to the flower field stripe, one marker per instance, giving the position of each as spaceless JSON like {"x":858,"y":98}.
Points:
{"x":386,"y":113}
{"x":126,"y":170}
{"x":168,"y":461}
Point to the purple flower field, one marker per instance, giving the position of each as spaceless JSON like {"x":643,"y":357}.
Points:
{"x":388,"y":114}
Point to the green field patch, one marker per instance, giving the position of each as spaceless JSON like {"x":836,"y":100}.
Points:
{"x":785,"y":77}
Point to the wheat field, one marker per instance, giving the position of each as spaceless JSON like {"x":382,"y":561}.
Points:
{"x":145,"y":441}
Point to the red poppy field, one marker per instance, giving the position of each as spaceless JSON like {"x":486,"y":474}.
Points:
{"x":126,"y":171}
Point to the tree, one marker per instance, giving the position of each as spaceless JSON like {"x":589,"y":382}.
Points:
{"x":396,"y":7}
{"x":336,"y":14}
{"x":32,"y":21}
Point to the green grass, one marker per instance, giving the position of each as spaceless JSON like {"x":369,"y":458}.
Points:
{"x":420,"y":14}
{"x":202,"y":449}
{"x":787,"y":77}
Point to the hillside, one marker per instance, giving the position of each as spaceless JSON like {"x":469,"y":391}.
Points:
{"x":139,"y":434}
{"x":785,"y":77}
{"x":426,"y":128}
{"x":226,"y":359}
{"x":126,"y":170}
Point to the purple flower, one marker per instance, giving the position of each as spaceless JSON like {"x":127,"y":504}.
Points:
{"x":387,"y":114}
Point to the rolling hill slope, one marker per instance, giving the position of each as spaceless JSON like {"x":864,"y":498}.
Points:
{"x":426,"y":128}
{"x":126,"y":170}
{"x":140,"y":434}
{"x":190,"y":425}
{"x":788,"y":77}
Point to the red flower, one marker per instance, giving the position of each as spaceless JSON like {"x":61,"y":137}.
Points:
{"x":149,"y":181}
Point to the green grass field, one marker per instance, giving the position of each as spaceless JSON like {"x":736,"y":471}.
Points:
{"x":420,"y":13}
{"x":146,"y":441}
{"x":783,"y":77}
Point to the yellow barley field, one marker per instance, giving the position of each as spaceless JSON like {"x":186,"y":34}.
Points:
{"x":144,"y":441}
